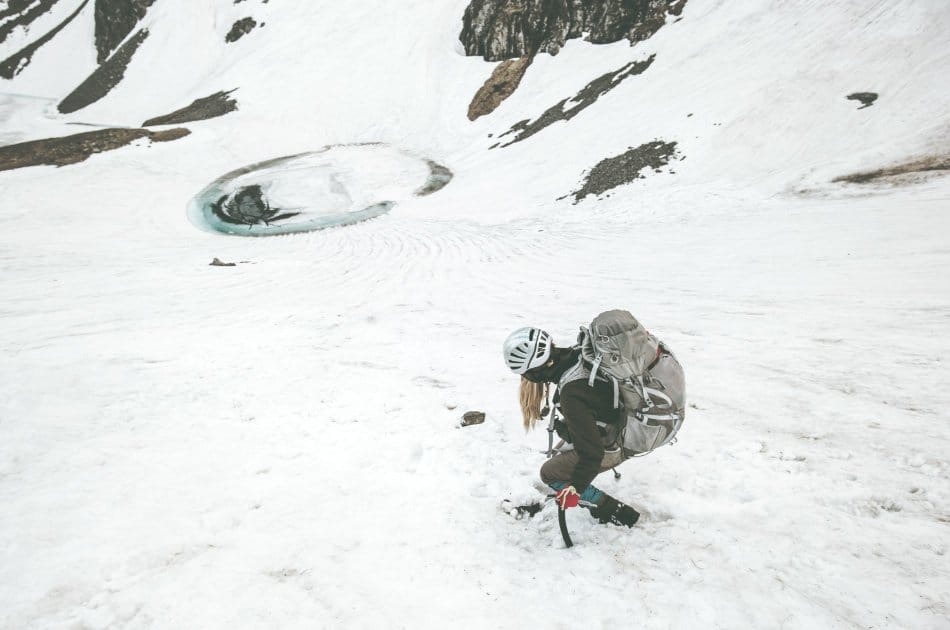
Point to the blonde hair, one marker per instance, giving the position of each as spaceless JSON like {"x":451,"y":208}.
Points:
{"x":531,"y":396}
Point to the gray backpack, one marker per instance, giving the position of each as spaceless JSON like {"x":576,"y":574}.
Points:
{"x":647,"y":379}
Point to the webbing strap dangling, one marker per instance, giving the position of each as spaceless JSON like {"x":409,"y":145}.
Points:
{"x":593,"y":370}
{"x":644,"y":396}
{"x":616,"y":393}
{"x":551,"y":420}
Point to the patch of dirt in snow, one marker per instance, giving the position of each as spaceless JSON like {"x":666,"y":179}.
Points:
{"x":907,"y":173}
{"x":77,"y":147}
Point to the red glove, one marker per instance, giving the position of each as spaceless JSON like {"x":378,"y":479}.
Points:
{"x":567,"y":498}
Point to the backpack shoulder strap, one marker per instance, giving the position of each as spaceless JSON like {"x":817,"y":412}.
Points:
{"x":581,"y":372}
{"x":576,"y":372}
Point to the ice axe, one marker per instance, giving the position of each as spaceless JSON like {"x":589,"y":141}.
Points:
{"x":562,"y":523}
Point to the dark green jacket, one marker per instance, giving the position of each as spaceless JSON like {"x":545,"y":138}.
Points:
{"x":582,"y":406}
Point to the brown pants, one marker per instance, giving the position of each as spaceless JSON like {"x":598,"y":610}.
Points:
{"x":561,"y":466}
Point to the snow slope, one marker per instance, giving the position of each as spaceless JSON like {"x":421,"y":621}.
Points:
{"x":275,"y":444}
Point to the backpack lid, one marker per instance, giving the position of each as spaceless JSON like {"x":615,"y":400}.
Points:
{"x":617,"y":344}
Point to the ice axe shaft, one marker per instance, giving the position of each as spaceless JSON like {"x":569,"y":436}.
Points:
{"x":562,"y":523}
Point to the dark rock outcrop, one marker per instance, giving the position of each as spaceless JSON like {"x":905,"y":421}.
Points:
{"x":507,"y":29}
{"x":578,"y":103}
{"x":115,"y":19}
{"x":626,"y":167}
{"x":77,"y":147}
{"x":503,"y":82}
{"x":20,"y":14}
{"x":866,"y":98}
{"x":14,"y":64}
{"x":240,"y":28}
{"x":212,"y":106}
{"x":105,"y":77}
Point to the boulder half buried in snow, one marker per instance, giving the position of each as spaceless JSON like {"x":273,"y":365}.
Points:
{"x":472,"y":417}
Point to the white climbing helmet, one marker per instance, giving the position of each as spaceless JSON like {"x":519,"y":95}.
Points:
{"x":527,"y":348}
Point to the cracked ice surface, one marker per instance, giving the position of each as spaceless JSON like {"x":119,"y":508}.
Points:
{"x":336,"y":186}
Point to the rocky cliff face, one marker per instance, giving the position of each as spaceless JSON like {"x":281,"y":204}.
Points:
{"x":503,"y":82}
{"x":506,"y":29}
{"x":115,"y":19}
{"x":105,"y":77}
{"x":571,"y":107}
{"x":17,"y":15}
{"x":21,"y":14}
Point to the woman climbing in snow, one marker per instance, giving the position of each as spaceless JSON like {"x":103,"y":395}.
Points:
{"x":603,"y":419}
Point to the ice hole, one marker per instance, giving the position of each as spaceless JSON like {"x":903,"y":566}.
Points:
{"x":336,"y":186}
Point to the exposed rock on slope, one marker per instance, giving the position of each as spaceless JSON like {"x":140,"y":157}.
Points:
{"x":78,"y":147}
{"x":502,"y":83}
{"x":115,"y":19}
{"x":578,"y":103}
{"x":866,"y":98}
{"x":106,"y":76}
{"x":15,"y":63}
{"x":212,"y":106}
{"x":20,"y":14}
{"x":519,"y":29}
{"x":240,"y":28}
{"x":506,"y":29}
{"x":626,"y":167}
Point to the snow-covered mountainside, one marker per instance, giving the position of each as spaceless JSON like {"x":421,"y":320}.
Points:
{"x":275,"y":444}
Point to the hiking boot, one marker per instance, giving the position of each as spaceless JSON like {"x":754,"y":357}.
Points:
{"x":610,"y":510}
